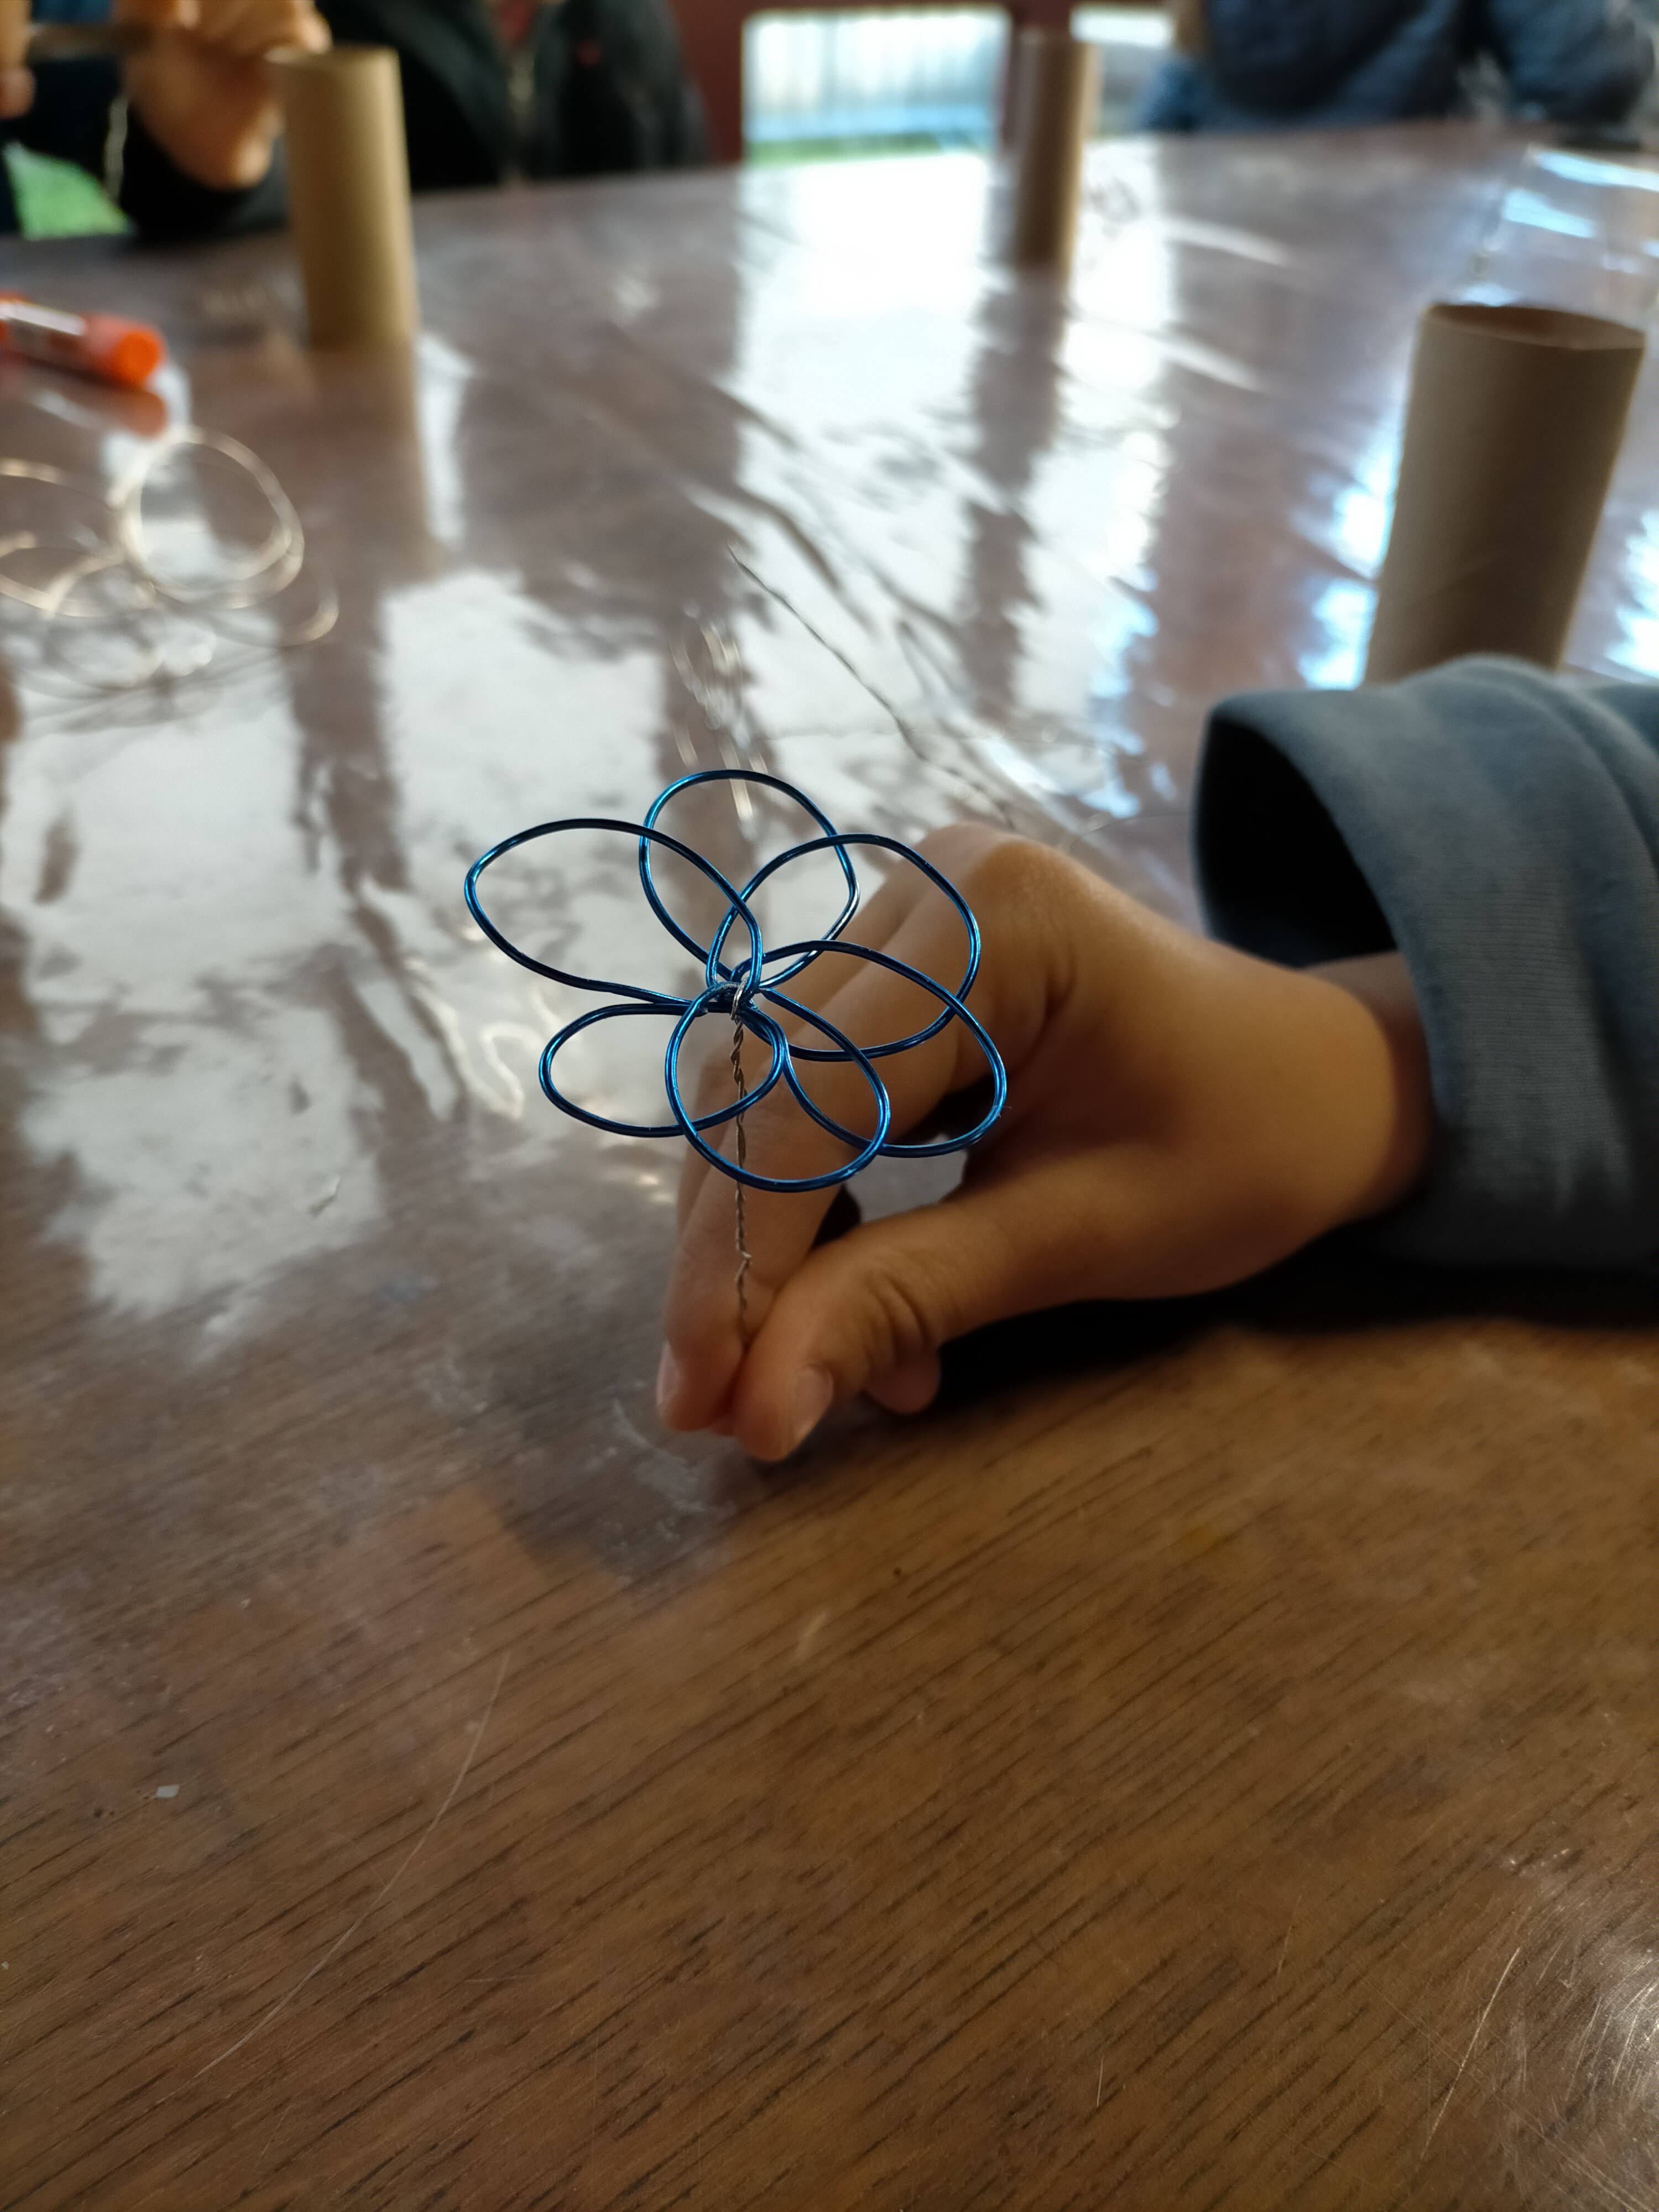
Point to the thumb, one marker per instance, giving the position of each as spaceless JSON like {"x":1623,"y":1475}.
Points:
{"x":870,"y":1312}
{"x":16,"y":85}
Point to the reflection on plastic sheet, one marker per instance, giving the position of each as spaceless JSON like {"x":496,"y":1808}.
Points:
{"x":1573,"y":233}
{"x":442,"y":378}
{"x":218,"y":1132}
{"x":1637,"y":648}
{"x":1529,"y":208}
{"x":1342,"y":616}
{"x":1122,"y":623}
{"x":1360,"y":512}
{"x":1581,"y":169}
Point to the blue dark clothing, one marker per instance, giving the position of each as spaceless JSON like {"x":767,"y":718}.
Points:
{"x":604,"y":91}
{"x":1500,"y":828}
{"x":1319,"y":64}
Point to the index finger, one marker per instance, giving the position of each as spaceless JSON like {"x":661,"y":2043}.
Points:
{"x":880,"y":920}
{"x":16,"y":85}
{"x":705,"y":1331}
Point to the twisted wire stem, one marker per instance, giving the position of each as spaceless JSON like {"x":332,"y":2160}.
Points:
{"x":745,"y":1258}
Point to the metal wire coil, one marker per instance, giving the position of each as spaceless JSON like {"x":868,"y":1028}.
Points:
{"x":744,"y":989}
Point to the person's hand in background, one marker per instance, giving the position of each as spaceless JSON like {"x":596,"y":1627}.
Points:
{"x":202,"y":87}
{"x":16,"y":85}
{"x":1179,"y":1116}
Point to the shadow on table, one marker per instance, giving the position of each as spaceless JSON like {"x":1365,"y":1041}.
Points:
{"x":1325,"y":1290}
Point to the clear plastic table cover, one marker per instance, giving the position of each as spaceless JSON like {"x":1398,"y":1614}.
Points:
{"x":330,"y":1352}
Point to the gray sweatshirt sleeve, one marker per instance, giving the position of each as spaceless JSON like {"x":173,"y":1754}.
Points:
{"x":1501,"y":828}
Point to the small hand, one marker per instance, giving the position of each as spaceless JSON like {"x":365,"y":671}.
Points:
{"x":16,"y":85}
{"x":1179,"y":1116}
{"x":203,"y":88}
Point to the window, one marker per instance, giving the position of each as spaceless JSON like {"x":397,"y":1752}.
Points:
{"x":872,"y":80}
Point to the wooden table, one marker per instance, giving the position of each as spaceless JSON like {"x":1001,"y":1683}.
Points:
{"x":1213,"y":1761}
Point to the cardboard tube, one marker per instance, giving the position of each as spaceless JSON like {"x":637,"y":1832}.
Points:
{"x":1190,"y":28}
{"x":1513,"y":428}
{"x":347,"y":193}
{"x":1054,"y":95}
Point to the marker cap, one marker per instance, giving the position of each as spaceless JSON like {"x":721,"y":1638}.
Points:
{"x":125,"y":352}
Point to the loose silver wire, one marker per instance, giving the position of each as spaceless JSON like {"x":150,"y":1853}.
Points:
{"x":125,"y":547}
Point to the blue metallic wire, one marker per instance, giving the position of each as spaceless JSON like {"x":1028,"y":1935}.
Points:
{"x":710,"y":953}
{"x":830,"y":943}
{"x":868,"y":1148}
{"x":763,"y":1026}
{"x":729,"y":891}
{"x":735,"y":991}
{"x":955,"y":1011}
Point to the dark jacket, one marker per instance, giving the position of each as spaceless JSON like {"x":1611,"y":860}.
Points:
{"x":600,"y":89}
{"x":1307,"y":63}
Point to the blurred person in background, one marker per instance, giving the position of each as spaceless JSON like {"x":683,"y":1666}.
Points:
{"x":185,"y":135}
{"x":1320,"y":64}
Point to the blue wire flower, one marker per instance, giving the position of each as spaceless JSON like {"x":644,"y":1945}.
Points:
{"x":744,"y":989}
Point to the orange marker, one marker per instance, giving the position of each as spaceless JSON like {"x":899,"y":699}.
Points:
{"x":106,"y":346}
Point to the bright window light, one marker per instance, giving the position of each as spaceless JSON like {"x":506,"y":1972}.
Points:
{"x":859,"y":76}
{"x":822,"y":82}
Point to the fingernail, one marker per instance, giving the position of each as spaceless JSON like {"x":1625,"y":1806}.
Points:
{"x":808,"y":1404}
{"x":668,"y":1380}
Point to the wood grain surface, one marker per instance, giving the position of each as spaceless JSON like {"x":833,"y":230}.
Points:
{"x":1211,"y":1760}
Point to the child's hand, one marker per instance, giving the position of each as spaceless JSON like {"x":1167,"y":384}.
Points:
{"x":16,"y":85}
{"x":203,"y":88}
{"x":1179,"y":1116}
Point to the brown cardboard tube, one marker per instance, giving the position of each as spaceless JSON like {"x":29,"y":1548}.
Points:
{"x":1513,"y":428}
{"x":1055,"y":94}
{"x":347,"y":193}
{"x":1190,"y":28}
